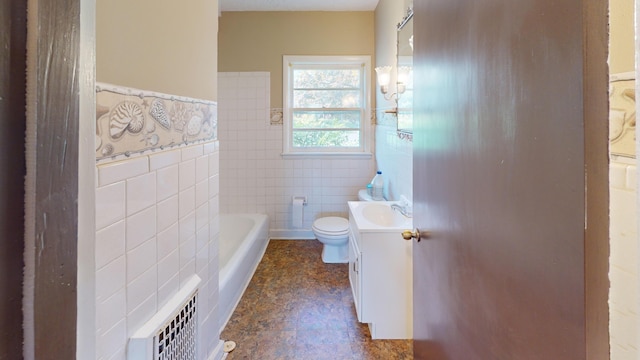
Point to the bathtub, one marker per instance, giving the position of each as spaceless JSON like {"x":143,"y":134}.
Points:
{"x":243,"y":241}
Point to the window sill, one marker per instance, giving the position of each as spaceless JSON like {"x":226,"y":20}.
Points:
{"x":326,"y":155}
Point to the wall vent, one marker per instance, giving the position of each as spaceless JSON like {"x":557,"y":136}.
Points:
{"x":172,"y":333}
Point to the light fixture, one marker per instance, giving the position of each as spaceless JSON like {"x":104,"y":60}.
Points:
{"x":384,"y":78}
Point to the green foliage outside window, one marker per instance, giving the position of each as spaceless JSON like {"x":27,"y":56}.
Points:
{"x":336,"y":90}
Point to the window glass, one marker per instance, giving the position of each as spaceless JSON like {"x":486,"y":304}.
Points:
{"x":326,"y":104}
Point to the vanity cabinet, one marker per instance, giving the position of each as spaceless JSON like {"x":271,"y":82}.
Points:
{"x":381,"y":278}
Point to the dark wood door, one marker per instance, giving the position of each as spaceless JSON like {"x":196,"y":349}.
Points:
{"x":510,"y":109}
{"x":13,"y":37}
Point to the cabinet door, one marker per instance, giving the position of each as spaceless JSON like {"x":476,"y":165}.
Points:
{"x":354,"y":272}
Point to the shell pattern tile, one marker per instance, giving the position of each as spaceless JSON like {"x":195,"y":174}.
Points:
{"x":622,"y":115}
{"x":131,"y":121}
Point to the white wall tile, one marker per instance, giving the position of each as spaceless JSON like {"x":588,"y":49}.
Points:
{"x":252,"y":171}
{"x":192,"y":152}
{"x":203,"y":237}
{"x":167,"y":212}
{"x":214,"y":164}
{"x":168,"y":289}
{"x":617,"y":175}
{"x":168,"y":182}
{"x":202,"y":262}
{"x":202,"y":216}
{"x":209,"y":147}
{"x":138,"y":236}
{"x":111,"y":311}
{"x":187,"y":201}
{"x":141,"y":227}
{"x":141,"y":314}
{"x":141,"y":259}
{"x":187,"y":174}
{"x":631,"y":178}
{"x":164,"y":159}
{"x":187,"y":271}
{"x":187,"y":227}
{"x":168,"y":267}
{"x":112,"y":340}
{"x":110,"y":243}
{"x":122,"y":170}
{"x":187,"y":251}
{"x":623,"y":272}
{"x":110,"y":204}
{"x":141,"y":288}
{"x":120,"y":354}
{"x":141,"y":192}
{"x":168,"y":241}
{"x":110,"y":278}
{"x":202,"y":192}
{"x":202,"y":168}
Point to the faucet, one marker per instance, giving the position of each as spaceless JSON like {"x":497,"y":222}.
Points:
{"x":402,"y":209}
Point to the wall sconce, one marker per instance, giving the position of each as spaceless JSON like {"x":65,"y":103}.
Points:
{"x":384,"y":78}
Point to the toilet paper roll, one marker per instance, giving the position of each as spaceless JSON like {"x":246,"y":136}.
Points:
{"x":296,"y":211}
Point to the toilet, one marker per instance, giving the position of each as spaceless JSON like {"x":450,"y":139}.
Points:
{"x":333,"y":233}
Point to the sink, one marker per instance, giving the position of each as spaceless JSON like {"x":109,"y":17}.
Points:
{"x":378,"y":216}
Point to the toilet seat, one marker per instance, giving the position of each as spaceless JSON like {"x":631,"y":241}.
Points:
{"x":331,"y":226}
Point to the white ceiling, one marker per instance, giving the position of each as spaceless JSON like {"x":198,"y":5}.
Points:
{"x":298,"y":5}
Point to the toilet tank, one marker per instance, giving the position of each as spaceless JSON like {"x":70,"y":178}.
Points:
{"x":363,"y":196}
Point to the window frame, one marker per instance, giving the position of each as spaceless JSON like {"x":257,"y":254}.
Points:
{"x":292,"y":62}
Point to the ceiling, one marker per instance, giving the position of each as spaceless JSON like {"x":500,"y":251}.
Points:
{"x":298,"y":5}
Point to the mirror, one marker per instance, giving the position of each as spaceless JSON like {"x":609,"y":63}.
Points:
{"x":405,"y":74}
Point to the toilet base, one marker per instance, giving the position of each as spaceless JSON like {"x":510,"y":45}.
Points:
{"x":332,"y":254}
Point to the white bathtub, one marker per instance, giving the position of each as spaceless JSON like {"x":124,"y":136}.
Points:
{"x":243,"y":241}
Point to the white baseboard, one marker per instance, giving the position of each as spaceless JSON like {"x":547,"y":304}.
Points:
{"x":288,"y":234}
{"x":218,"y":353}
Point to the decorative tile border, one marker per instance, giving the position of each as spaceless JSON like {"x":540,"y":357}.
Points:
{"x":275,"y":116}
{"x":131,"y":121}
{"x":622,"y":114}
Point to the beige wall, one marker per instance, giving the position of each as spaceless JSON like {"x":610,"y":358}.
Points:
{"x":256,"y":41}
{"x":158,"y":45}
{"x":621,"y":42}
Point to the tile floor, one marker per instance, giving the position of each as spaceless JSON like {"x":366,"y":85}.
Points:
{"x":297,"y":307}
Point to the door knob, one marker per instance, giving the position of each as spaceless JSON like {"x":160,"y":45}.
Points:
{"x":408,"y":235}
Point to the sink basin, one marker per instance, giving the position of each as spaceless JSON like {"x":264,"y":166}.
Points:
{"x":378,"y":215}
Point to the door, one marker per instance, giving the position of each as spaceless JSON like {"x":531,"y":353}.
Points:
{"x":13,"y":35}
{"x":509,"y":162}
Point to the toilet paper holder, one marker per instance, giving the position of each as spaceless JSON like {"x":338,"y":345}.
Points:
{"x":303,"y":198}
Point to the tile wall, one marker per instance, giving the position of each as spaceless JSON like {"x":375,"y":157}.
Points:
{"x":255,"y":177}
{"x":623,"y":272}
{"x":156,"y":225}
{"x":394,"y":156}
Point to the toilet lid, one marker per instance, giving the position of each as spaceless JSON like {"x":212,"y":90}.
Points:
{"x":332,"y":224}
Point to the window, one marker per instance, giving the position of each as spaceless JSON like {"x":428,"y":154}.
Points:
{"x":326,"y":104}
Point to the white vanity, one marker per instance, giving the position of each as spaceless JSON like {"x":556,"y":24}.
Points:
{"x":381,"y":269}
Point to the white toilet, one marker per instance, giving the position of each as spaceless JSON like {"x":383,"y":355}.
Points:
{"x":333,"y":233}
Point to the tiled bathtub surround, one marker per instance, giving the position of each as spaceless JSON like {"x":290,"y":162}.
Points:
{"x":623,"y":272}
{"x":157,"y":224}
{"x":255,"y":177}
